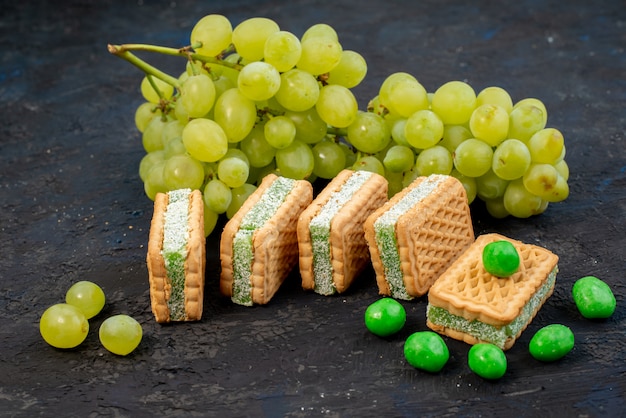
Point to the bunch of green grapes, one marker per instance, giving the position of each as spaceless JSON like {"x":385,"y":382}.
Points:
{"x":503,"y":153}
{"x":264,"y":102}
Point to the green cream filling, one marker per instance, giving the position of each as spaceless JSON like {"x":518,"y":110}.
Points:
{"x":385,"y":234}
{"x":319,"y":229}
{"x":175,"y":237}
{"x":490,"y":333}
{"x":243,"y":252}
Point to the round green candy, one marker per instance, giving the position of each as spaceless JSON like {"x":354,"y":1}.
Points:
{"x":385,"y":317}
{"x":551,"y":342}
{"x":593,"y":297}
{"x":487,"y":361}
{"x":426,"y":350}
{"x":500,"y":258}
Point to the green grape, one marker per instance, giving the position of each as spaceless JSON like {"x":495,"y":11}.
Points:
{"x":183,"y":171}
{"x":86,"y":296}
{"x":399,"y":158}
{"x":423,"y":129}
{"x":490,"y":123}
{"x":563,"y":169}
{"x":148,"y":161}
{"x":511,"y":159}
{"x":473,"y":157}
{"x":120,"y":334}
{"x":350,"y":71}
{"x":210,"y":221}
{"x":337,"y":106}
{"x":240,"y":194}
{"x":298,"y":90}
{"x":397,"y":131}
{"x":519,"y":202}
{"x":180,"y":113}
{"x":175,"y":146}
{"x":319,"y":55}
{"x":172,"y":129}
{"x":495,"y":208}
{"x":496,"y":96}
{"x":402,"y":94}
{"x":197,"y":95}
{"x":154,"y":182}
{"x":369,"y":163}
{"x":374,"y":106}
{"x":205,"y":140}
{"x":258,"y":81}
{"x":368,"y":132}
{"x":490,"y":185}
{"x":394,"y":183}
{"x":349,"y":152}
{"x":235,"y":113}
{"x":524,"y":121}
{"x":249,"y":37}
{"x":540,"y":179}
{"x":151,"y":95}
{"x":295,"y":161}
{"x":259,"y":152}
{"x":559,"y":192}
{"x":214,"y":32}
{"x":320,"y":30}
{"x":282,"y":50}
{"x":469,"y":184}
{"x":385,"y":317}
{"x":434,"y":160}
{"x":63,"y":326}
{"x":234,"y":168}
{"x":328,"y":159}
{"x":217,"y":196}
{"x":280,"y":131}
{"x":534,"y":102}
{"x":310,"y":128}
{"x":453,"y":135}
{"x":152,"y":137}
{"x":546,"y":146}
{"x":223,"y":83}
{"x":144,"y":114}
{"x":454,"y":102}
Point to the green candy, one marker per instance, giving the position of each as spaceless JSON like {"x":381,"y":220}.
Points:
{"x":487,"y":361}
{"x":385,"y":317}
{"x":551,"y":343}
{"x":500,"y":258}
{"x":593,"y":297}
{"x":426,"y":350}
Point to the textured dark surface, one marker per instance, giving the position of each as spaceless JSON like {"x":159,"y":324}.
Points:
{"x":72,"y":208}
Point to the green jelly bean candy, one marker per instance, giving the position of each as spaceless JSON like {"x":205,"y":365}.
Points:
{"x":593,"y":297}
{"x":500,"y":258}
{"x":385,"y":317}
{"x":487,"y":361}
{"x":426,"y":350}
{"x":551,"y":343}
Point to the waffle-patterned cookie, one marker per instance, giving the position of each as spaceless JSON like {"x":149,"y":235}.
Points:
{"x":417,"y":234}
{"x":469,"y":304}
{"x":176,"y":256}
{"x":259,"y":244}
{"x":331,"y":241}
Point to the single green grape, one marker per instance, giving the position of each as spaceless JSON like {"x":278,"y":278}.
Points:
{"x":154,"y":182}
{"x":282,"y":50}
{"x":240,"y":194}
{"x":399,"y":158}
{"x":423,"y":129}
{"x":310,"y":128}
{"x":258,"y":81}
{"x":521,"y":203}
{"x":496,"y":96}
{"x":551,"y":342}
{"x":454,"y":102}
{"x":120,"y":334}
{"x":368,"y":133}
{"x":540,"y":179}
{"x":350,"y":71}
{"x":205,"y":140}
{"x":214,"y":32}
{"x":152,"y":136}
{"x":473,"y":157}
{"x":490,"y":185}
{"x":385,"y":317}
{"x":487,"y":361}
{"x":319,"y":55}
{"x":318,"y":30}
{"x":434,"y":160}
{"x":593,"y":297}
{"x":295,"y":161}
{"x":151,"y":95}
{"x":546,"y":146}
{"x":337,"y":106}
{"x":87,"y":296}
{"x":495,"y":208}
{"x":197,"y":95}
{"x":469,"y":184}
{"x":501,"y":258}
{"x":369,"y":163}
{"x":426,"y":350}
{"x":259,"y":152}
{"x":280,"y":131}
{"x":183,"y":171}
{"x":250,"y":35}
{"x":235,"y":114}
{"x":298,"y":90}
{"x":144,"y":114}
{"x":511,"y":159}
{"x":148,"y":161}
{"x":233,"y":169}
{"x":525,"y":120}
{"x":453,"y":135}
{"x":490,"y":123}
{"x":402,"y":94}
{"x":63,"y":326}
{"x":329,"y":159}
{"x":217,"y":196}
{"x":210,"y":221}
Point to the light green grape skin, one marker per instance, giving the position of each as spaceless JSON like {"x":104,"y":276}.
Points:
{"x":148,"y":161}
{"x":63,"y":326}
{"x":310,"y":128}
{"x":434,"y":160}
{"x":298,"y":91}
{"x":144,"y":114}
{"x":350,"y":71}
{"x":423,"y":129}
{"x":205,"y":140}
{"x":155,"y":182}
{"x":469,"y":184}
{"x":495,"y":95}
{"x":454,"y":102}
{"x":151,"y":95}
{"x":519,"y":202}
{"x":172,"y":129}
{"x":453,"y":135}
{"x":397,"y":132}
{"x":490,"y":186}
{"x":563,"y":169}
{"x":369,"y":163}
{"x":495,"y":208}
{"x":402,"y":94}
{"x":86,"y":296}
{"x":524,"y":121}
{"x":152,"y":136}
{"x":250,"y":35}
{"x":183,"y":171}
{"x":534,"y":102}
{"x":295,"y":161}
{"x":399,"y":158}
{"x":319,"y":55}
{"x":337,"y":106}
{"x":259,"y":152}
{"x":235,"y":114}
{"x":197,"y":95}
{"x":280,"y":131}
{"x":490,"y":123}
{"x":540,"y":179}
{"x":511,"y":159}
{"x":320,"y":30}
{"x":473,"y":157}
{"x":210,"y":221}
{"x":282,"y":50}
{"x":120,"y":334}
{"x":368,"y":132}
{"x":214,"y":32}
{"x":240,"y":194}
{"x":175,"y":146}
{"x":328,"y":159}
{"x":217,"y":196}
{"x":233,"y":169}
{"x":546,"y":146}
{"x":258,"y":81}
